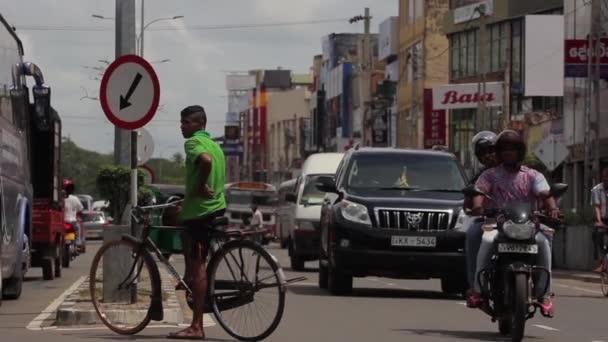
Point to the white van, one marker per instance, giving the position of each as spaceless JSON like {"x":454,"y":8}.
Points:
{"x":303,"y":240}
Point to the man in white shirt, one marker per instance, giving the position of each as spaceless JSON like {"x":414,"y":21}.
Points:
{"x":599,"y":201}
{"x":72,"y":207}
{"x":257,"y":219}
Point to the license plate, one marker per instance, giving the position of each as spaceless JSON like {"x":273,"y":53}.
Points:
{"x":517,"y":248}
{"x":414,"y":241}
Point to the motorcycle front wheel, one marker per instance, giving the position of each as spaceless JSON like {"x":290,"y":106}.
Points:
{"x":520,"y":307}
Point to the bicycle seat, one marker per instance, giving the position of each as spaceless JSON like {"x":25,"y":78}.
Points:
{"x":219,"y":221}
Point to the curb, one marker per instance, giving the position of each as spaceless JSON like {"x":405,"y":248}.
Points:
{"x":68,"y":315}
{"x":584,"y":277}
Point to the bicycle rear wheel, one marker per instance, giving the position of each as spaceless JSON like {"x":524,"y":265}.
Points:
{"x":246,"y":290}
{"x":124,"y":285}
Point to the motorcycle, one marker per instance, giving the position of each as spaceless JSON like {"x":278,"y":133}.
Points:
{"x":509,"y":284}
{"x":69,"y":244}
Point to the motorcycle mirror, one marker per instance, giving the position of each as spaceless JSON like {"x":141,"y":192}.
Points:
{"x":472,"y":191}
{"x":558,"y":190}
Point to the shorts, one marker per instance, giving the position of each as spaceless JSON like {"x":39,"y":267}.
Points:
{"x":199,"y":230}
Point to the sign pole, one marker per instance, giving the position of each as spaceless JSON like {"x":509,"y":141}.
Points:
{"x":133,"y":177}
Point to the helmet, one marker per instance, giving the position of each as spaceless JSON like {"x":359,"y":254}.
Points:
{"x":510,"y":137}
{"x":483,"y":140}
{"x":68,"y":185}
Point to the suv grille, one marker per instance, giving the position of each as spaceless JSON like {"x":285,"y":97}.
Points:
{"x":412,"y":219}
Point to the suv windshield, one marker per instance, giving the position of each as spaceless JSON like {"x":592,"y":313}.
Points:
{"x":404,"y":171}
{"x":312,"y":195}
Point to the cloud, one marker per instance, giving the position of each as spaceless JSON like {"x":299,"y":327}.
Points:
{"x":198,"y":57}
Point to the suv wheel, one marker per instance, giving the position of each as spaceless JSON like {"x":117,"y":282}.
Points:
{"x":323,"y":275}
{"x":297,"y":262}
{"x":453,"y":284}
{"x":339,"y":283}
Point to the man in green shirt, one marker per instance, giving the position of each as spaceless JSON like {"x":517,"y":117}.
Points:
{"x":204,"y":201}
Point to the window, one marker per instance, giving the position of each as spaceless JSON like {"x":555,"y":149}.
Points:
{"x":386,"y":170}
{"x":419,"y":8}
{"x":311,"y":195}
{"x":463,"y":130}
{"x":414,"y":64}
{"x":516,"y":52}
{"x":464,"y":54}
{"x":410,"y":12}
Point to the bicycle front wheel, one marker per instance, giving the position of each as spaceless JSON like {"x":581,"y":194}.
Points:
{"x":124,"y":284}
{"x":246,"y":291}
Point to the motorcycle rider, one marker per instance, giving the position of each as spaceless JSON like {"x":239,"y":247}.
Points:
{"x":599,"y":201}
{"x":73,"y":207}
{"x":483,"y":146}
{"x":511,"y":182}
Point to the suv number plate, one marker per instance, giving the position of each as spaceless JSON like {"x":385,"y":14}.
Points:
{"x":414,"y":241}
{"x":517,"y":248}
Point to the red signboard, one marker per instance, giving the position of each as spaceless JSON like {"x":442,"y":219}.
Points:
{"x":434,"y":122}
{"x":577,"y":55}
{"x":578,"y":52}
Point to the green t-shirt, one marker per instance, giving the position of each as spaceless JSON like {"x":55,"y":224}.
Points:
{"x":195,"y":206}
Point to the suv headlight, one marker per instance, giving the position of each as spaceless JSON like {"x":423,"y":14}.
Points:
{"x":462,"y":222}
{"x":355,"y":212}
{"x":519,"y":231}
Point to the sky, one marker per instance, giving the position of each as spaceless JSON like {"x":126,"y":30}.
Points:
{"x":62,"y":38}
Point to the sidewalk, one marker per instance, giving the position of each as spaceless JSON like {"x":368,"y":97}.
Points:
{"x":588,"y":277}
{"x":77,"y":309}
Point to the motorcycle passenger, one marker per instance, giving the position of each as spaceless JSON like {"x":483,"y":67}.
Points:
{"x":507,"y":184}
{"x":73,"y":207}
{"x":483,"y":145}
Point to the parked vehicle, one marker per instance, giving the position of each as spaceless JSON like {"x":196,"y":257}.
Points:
{"x":239,"y":199}
{"x":392,"y":213}
{"x":169,"y":242}
{"x":509,"y":286}
{"x":94,"y":222}
{"x":285,"y":212}
{"x":303,"y":240}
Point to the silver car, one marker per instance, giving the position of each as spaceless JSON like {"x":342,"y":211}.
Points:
{"x":94,"y":222}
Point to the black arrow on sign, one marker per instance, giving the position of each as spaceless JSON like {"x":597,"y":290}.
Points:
{"x":124,"y":100}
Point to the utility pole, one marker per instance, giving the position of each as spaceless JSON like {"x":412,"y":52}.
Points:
{"x":506,"y":107}
{"x":596,"y":10}
{"x":125,"y":45}
{"x":481,"y":59}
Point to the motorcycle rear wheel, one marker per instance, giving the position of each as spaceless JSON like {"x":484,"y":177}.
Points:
{"x":604,"y":280}
{"x":520,"y":307}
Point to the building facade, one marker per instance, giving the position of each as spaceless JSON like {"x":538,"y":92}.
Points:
{"x":423,"y":64}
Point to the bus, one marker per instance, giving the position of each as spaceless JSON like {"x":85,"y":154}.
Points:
{"x":241,"y":196}
{"x":30,"y":137}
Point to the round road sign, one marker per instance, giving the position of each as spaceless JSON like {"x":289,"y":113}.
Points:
{"x":129,"y":92}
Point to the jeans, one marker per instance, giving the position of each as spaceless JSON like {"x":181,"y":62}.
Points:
{"x":472,"y":244}
{"x":543,"y":260}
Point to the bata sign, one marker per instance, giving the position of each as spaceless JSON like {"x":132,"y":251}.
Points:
{"x":457,"y":96}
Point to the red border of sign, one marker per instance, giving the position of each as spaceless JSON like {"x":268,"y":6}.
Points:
{"x":104,"y":99}
{"x":151,"y":171}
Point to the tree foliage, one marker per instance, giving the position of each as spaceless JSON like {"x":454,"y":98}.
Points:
{"x":82,"y":166}
{"x":114,"y":184}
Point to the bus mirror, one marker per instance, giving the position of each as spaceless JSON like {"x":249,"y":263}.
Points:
{"x":42,"y":107}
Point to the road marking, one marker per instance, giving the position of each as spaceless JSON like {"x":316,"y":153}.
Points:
{"x":36,"y":323}
{"x":207,"y":322}
{"x":462,"y":303}
{"x":301,"y":284}
{"x":580,"y":289}
{"x":390,"y":284}
{"x":545,"y":327}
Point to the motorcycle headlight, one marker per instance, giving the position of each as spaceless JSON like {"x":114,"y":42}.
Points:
{"x":519,"y":231}
{"x":355,"y":212}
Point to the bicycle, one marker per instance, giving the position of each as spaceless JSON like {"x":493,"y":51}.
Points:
{"x":133,"y":295}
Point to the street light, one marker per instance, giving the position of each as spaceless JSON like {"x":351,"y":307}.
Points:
{"x":140,"y":39}
{"x":161,"y":61}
